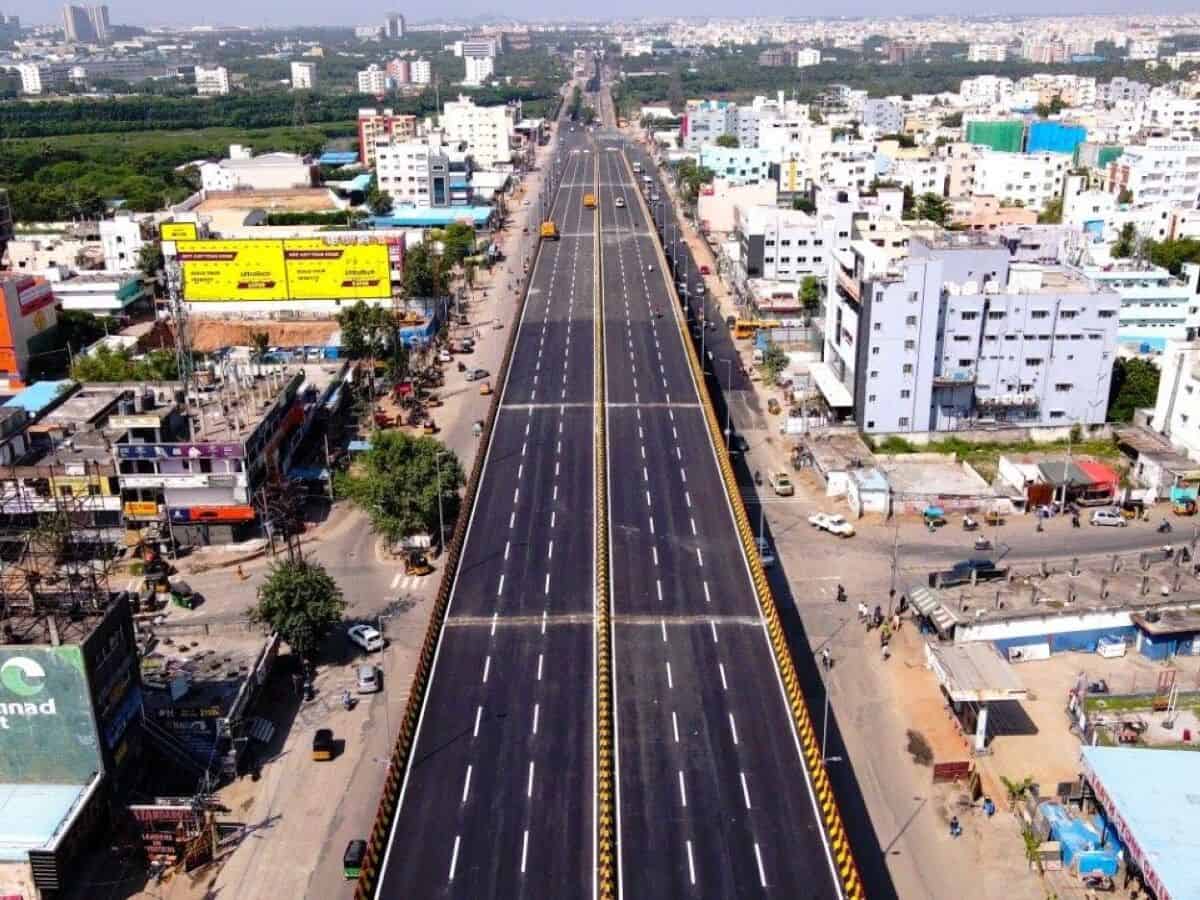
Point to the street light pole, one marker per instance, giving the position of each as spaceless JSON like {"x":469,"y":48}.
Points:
{"x":729,"y":387}
{"x":437,"y":462}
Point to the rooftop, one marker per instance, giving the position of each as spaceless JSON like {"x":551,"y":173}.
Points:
{"x":40,"y":396}
{"x":1148,"y":790}
{"x":974,"y":673}
{"x":33,"y":816}
{"x":923,"y":474}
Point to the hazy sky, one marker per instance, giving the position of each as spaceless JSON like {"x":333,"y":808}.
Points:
{"x":351,"y":12}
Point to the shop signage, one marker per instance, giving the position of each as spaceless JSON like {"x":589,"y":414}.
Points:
{"x":179,"y":451}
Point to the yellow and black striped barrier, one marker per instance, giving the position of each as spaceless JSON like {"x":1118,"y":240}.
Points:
{"x":606,"y":840}
{"x":832,"y":819}
{"x":385,"y":815}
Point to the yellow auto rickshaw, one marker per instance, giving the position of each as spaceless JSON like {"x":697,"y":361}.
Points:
{"x":485,"y":388}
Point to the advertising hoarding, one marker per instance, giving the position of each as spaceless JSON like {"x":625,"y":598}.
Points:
{"x":47,"y":735}
{"x":179,"y":451}
{"x":295,"y":269}
{"x":178,"y":231}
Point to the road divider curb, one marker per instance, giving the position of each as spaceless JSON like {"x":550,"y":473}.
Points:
{"x":385,"y":814}
{"x":843,"y":858}
{"x":606,"y":840}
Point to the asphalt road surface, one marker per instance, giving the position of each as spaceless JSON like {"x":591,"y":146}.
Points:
{"x":498,"y":799}
{"x":713,"y":796}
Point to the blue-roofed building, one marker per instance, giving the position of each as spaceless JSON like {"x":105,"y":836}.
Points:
{"x":42,"y":396}
{"x":1144,"y":794}
{"x":338,"y":158}
{"x":433,"y":217}
{"x":1055,"y":137}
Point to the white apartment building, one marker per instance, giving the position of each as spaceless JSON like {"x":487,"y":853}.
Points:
{"x":373,"y":80}
{"x":987,"y":53}
{"x":1030,"y":179}
{"x":121,"y":239}
{"x":269,"y":171}
{"x":422,"y":72}
{"x":479,"y":69}
{"x":922,"y":176}
{"x":1166,"y":112}
{"x":475,"y":47}
{"x":1158,"y":171}
{"x":402,"y":170}
{"x":1177,"y":407}
{"x":304,"y":76}
{"x":808,"y":56}
{"x":985,"y":90}
{"x":778,"y":244}
{"x":1142,"y":49}
{"x":212,"y":82}
{"x":486,"y":130}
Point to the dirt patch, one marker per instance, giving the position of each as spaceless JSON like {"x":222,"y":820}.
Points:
{"x":294,"y":200}
{"x":918,"y":748}
{"x":213,"y":334}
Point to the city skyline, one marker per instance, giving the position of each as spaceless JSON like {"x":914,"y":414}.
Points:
{"x":281,"y":13}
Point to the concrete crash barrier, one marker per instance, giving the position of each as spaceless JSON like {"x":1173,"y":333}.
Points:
{"x":606,"y":841}
{"x":843,"y":857}
{"x":385,"y":815}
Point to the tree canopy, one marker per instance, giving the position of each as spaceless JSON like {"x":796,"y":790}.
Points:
{"x":302,"y":602}
{"x":397,"y":484}
{"x":1134,"y":386}
{"x":728,"y":140}
{"x":933,"y":208}
{"x":458,"y":242}
{"x":424,"y":273}
{"x":107,"y":364}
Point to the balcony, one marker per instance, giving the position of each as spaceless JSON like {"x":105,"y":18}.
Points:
{"x":954,"y":378}
{"x":850,"y":285}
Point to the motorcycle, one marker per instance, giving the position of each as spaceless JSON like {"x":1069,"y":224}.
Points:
{"x":1098,"y":883}
{"x":462,"y":366}
{"x":969,"y":524}
{"x":348,"y":701}
{"x":983,"y":544}
{"x":1164,"y":527}
{"x":758,"y":477}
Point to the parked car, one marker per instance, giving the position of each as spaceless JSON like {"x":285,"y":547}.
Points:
{"x":833,"y":523}
{"x":705,"y":270}
{"x":620,"y":204}
{"x":765,"y":554}
{"x":367,"y":680}
{"x":960,"y":573}
{"x":444,"y":356}
{"x":476,"y":374}
{"x":1107,"y":517}
{"x":700,"y":287}
{"x":781,"y":484}
{"x":366,"y":637}
{"x":738,"y":444}
{"x":322,"y":744}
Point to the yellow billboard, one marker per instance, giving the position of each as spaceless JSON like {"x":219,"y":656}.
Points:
{"x":320,"y":270}
{"x":178,"y":231}
{"x":295,"y":269}
{"x":232,"y":270}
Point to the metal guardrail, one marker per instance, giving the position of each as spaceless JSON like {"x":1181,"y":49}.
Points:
{"x":606,"y":840}
{"x":368,"y":879}
{"x":847,"y":870}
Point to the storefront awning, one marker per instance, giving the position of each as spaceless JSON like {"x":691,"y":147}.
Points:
{"x":835,"y":393}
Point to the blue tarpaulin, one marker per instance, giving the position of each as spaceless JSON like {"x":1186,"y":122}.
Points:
{"x":1085,"y":846}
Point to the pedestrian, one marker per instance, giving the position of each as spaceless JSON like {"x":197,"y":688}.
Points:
{"x":885,"y":634}
{"x":863,"y":611}
{"x":884,"y":651}
{"x":878,"y":615}
{"x":989,"y":808}
{"x":826,"y":659}
{"x":955,"y":828}
{"x":903,"y":603}
{"x":841,"y":594}
{"x":895,"y":621}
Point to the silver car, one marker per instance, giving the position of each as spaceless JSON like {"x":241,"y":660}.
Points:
{"x":367,"y":680}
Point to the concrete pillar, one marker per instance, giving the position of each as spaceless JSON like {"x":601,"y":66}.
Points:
{"x":981,"y":729}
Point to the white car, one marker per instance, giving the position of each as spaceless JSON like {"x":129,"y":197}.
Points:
{"x":620,"y":203}
{"x":366,"y":637}
{"x":1108,"y":517}
{"x":832,"y":523}
{"x":444,"y":356}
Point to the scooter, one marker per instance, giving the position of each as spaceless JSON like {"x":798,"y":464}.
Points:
{"x":348,"y":701}
{"x":1164,"y":527}
{"x":1098,"y":883}
{"x":758,"y":477}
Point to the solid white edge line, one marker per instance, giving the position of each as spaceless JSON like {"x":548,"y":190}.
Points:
{"x":454,"y":589}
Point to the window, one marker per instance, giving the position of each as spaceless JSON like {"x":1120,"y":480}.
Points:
{"x":769,"y":243}
{"x":908,"y":368}
{"x":1010,"y":337}
{"x":904,"y":421}
{"x":1062,"y":387}
{"x":970,"y":316}
{"x":910,"y":320}
{"x":1057,"y":414}
{"x":1033,"y":360}
{"x":995,"y":315}
{"x":905,"y":394}
{"x":963,"y":338}
{"x":912,"y":296}
{"x":878,"y":326}
{"x":1107,"y":313}
{"x":874,"y":373}
{"x":874,"y":351}
{"x":786,"y":243}
{"x":1039,"y":314}
{"x":1067,"y":314}
{"x":870,"y":398}
{"x":910,"y":345}
{"x":966,"y":362}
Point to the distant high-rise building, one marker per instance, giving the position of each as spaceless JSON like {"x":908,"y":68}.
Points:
{"x":304,"y":76}
{"x":77,"y":24}
{"x":98,"y":16}
{"x":422,"y":72}
{"x":399,"y":71}
{"x":376,"y":125}
{"x":393,"y":26}
{"x":478,"y":69}
{"x":373,"y":80}
{"x":211,"y":82}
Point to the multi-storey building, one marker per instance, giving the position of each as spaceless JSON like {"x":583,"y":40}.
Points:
{"x":485,"y":130}
{"x":808,"y":56}
{"x":86,"y":24}
{"x":393,"y":26}
{"x":1165,"y":112}
{"x":121,"y":238}
{"x":737,"y":165}
{"x":1155,"y":305}
{"x":920,"y":174}
{"x":413,"y":173}
{"x":987,"y":53}
{"x":984,"y":90}
{"x":884,"y":115}
{"x":706,"y":120}
{"x":1122,"y":89}
{"x":422,"y":72}
{"x":478,"y":68}
{"x":375,"y":125}
{"x":1156,"y":172}
{"x":400,"y":71}
{"x":373,"y":80}
{"x":304,"y":76}
{"x":212,"y":81}
{"x":1142,"y":49}
{"x":1030,"y":179}
{"x":778,"y":244}
{"x":951,"y":333}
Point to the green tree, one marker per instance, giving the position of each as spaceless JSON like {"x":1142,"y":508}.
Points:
{"x":810,"y":294}
{"x":933,"y":208}
{"x":803,"y":204}
{"x":458,"y":242}
{"x":1052,"y":212}
{"x":107,"y":364}
{"x":953,"y":120}
{"x":424,"y":274}
{"x":775,"y":360}
{"x":1125,"y":196}
{"x":728,"y":140}
{"x":367,"y":330}
{"x":302,"y":602}
{"x":1134,"y":385}
{"x":1126,"y":242}
{"x":1171,"y":255}
{"x":379,"y":202}
{"x":151,"y":261}
{"x":397,"y":484}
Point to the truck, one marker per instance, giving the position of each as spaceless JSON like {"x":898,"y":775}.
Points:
{"x":960,"y":573}
{"x":589,"y":201}
{"x":549,"y":231}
